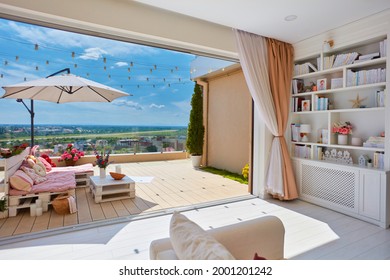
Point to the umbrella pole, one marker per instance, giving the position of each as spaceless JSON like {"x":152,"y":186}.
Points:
{"x":31,"y":111}
{"x":32,"y":121}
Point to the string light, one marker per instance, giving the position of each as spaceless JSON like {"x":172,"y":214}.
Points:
{"x":73,"y":54}
{"x":36,"y":47}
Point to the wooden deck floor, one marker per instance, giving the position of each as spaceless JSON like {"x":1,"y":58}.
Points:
{"x":173,"y":184}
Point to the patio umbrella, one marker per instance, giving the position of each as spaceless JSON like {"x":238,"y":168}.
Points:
{"x":60,"y":89}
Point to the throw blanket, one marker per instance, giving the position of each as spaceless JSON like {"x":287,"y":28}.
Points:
{"x":72,"y":205}
{"x":56,"y":182}
{"x":76,"y":169}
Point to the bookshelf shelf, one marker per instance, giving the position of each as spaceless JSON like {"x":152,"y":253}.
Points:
{"x":354,"y":93}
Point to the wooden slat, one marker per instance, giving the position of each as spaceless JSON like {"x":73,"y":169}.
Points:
{"x":175,"y":183}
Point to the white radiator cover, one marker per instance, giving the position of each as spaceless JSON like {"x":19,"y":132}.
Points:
{"x":352,"y":190}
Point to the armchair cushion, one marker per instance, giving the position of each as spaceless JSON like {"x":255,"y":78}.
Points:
{"x":191,"y":242}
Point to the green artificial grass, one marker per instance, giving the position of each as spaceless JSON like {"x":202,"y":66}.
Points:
{"x":226,"y":174}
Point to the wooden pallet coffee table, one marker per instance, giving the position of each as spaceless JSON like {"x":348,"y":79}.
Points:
{"x":108,"y":189}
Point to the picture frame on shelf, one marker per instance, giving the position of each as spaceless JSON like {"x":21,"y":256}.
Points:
{"x":321,"y":84}
{"x":305,"y":105}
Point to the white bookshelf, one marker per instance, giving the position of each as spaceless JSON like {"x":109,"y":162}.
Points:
{"x":358,"y":190}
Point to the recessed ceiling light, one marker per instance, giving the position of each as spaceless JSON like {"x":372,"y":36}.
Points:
{"x":290,"y":18}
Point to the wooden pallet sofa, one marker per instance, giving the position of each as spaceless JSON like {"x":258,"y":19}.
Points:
{"x":59,"y":180}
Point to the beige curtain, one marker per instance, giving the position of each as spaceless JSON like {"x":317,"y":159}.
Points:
{"x":280,"y":67}
{"x":273,"y":108}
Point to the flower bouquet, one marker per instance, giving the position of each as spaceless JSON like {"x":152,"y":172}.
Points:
{"x":102,"y":159}
{"x":344,"y":128}
{"x":71,"y":155}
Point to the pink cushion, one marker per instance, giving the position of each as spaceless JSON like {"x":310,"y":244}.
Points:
{"x":45,"y":163}
{"x":31,"y":173}
{"x":21,"y":181}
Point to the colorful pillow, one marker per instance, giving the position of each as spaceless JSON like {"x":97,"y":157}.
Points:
{"x":34,"y":176}
{"x":21,"y":181}
{"x":191,"y":242}
{"x":45,"y":163}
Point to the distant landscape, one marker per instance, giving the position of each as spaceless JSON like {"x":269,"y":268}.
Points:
{"x":52,"y":139}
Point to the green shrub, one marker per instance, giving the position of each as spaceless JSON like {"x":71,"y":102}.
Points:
{"x":195,"y":136}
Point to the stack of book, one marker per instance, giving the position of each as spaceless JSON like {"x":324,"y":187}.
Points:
{"x":300,"y":69}
{"x":364,"y":77}
{"x":366,"y":57}
{"x":375,"y":142}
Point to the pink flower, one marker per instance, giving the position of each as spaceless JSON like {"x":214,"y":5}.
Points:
{"x":76,"y":158}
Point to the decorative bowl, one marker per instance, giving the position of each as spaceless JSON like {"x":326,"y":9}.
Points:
{"x":117,"y":176}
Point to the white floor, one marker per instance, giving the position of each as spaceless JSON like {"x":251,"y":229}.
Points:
{"x":311,"y":233}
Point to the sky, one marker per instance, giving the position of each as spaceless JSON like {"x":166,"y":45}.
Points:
{"x":159,"y":80}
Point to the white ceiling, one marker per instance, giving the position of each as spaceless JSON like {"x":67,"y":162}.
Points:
{"x":266,"y":17}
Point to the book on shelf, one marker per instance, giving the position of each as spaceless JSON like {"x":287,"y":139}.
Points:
{"x":317,"y":153}
{"x":380,"y":98}
{"x":383,"y":48}
{"x":296,"y":105}
{"x":302,"y":151}
{"x":305,"y":68}
{"x":328,"y":62}
{"x":344,"y":59}
{"x":321,"y":103}
{"x":297,"y":85}
{"x":378,"y":160}
{"x":336,"y":83}
{"x":364,"y":77}
{"x":295,"y":132}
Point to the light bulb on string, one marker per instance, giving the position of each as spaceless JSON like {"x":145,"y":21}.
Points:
{"x":104,"y":59}
{"x":47,"y":62}
{"x":73,"y":54}
{"x":36,"y":47}
{"x":17,"y":58}
{"x":36,"y":68}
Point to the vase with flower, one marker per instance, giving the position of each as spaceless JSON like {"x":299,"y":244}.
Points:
{"x":102,"y":161}
{"x":342,"y":129}
{"x":71,"y":155}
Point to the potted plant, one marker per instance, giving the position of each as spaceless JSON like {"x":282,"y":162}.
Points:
{"x":71,"y":155}
{"x":195,"y":134}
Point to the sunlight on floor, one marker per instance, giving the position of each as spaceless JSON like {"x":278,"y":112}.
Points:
{"x":131,"y":240}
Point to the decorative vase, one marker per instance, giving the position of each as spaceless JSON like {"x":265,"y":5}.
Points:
{"x":70,"y":162}
{"x":102,"y":173}
{"x":342,"y":139}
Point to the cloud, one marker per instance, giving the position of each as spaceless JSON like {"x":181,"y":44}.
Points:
{"x":130,"y":104}
{"x":121,"y":64}
{"x":62,"y":39}
{"x":93,"y":54}
{"x":156,"y":106}
{"x":184,"y":106}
